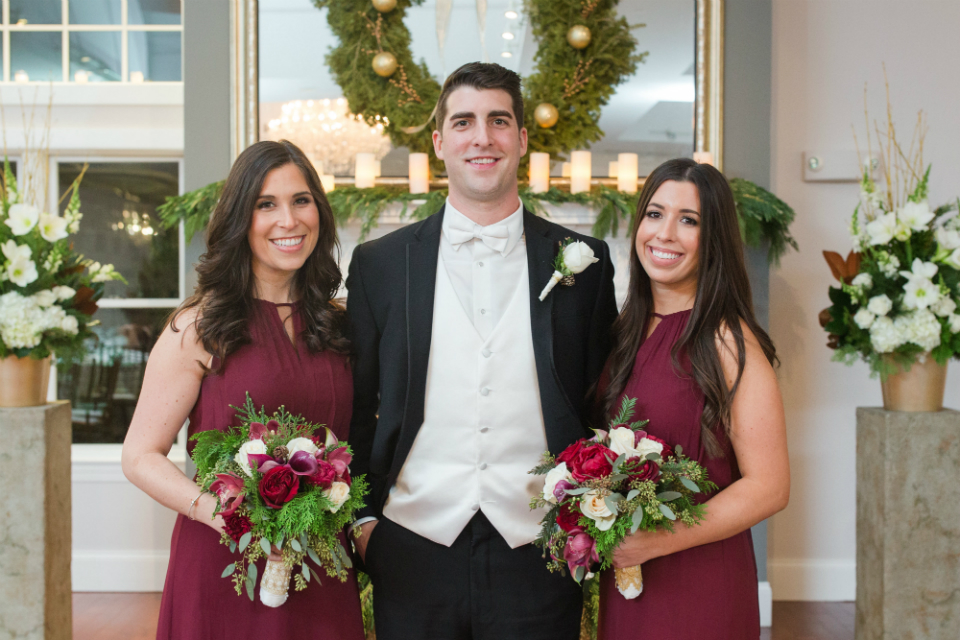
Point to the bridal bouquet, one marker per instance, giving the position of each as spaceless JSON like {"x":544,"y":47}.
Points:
{"x":601,"y":489}
{"x":278,"y":484}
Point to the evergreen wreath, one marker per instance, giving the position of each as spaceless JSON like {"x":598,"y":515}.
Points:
{"x":578,"y":82}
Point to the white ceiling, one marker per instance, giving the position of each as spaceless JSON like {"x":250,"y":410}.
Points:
{"x":655,"y":106}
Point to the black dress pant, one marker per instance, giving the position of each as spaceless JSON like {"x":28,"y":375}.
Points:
{"x":477,"y":589}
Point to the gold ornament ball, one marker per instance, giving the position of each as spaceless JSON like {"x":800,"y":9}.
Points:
{"x":578,"y":36}
{"x":546,"y":115}
{"x":384,"y":6}
{"x":384,"y":64}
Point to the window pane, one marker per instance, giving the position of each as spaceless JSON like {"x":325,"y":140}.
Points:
{"x":153,"y":11}
{"x":97,"y":53}
{"x":155,"y":54}
{"x":94,"y":12}
{"x":120,"y":225}
{"x":40,"y":55}
{"x":36,"y":12}
{"x":104,"y":387}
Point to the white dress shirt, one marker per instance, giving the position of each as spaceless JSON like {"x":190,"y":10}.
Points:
{"x":484,"y":279}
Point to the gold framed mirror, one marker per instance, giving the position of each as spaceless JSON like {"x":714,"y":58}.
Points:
{"x":708,"y":70}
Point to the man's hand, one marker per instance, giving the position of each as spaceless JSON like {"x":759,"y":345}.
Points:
{"x":361,"y":543}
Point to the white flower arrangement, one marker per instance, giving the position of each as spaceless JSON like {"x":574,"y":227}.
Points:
{"x":48,"y":292}
{"x":900,"y":286}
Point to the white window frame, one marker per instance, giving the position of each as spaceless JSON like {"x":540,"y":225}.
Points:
{"x":109,"y":452}
{"x":64,"y":28}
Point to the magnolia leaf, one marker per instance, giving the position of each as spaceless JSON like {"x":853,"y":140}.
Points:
{"x":244,"y":541}
{"x":229,"y":570}
{"x":667,"y":496}
{"x":296,"y":545}
{"x":633,"y":494}
{"x":689,"y":484}
{"x":313,"y":556}
{"x":667,"y":512}
{"x":265,"y":545}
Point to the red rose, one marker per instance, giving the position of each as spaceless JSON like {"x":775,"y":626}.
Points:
{"x":325,"y":475}
{"x":235,"y":525}
{"x":590,"y":463}
{"x":568,"y":454}
{"x":567,"y":519}
{"x":649,"y":470}
{"x":278,"y":486}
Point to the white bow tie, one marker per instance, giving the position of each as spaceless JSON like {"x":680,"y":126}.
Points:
{"x":495,"y":236}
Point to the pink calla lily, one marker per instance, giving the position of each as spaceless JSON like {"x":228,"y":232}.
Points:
{"x":261,"y":462}
{"x":229,"y":490}
{"x":340,"y":459}
{"x":257,"y":430}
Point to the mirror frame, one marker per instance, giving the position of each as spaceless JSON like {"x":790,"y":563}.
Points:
{"x":244,"y":79}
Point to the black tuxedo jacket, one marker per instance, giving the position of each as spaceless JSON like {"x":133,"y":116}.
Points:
{"x":391,"y":286}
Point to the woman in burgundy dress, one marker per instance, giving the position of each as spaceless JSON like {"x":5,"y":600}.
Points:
{"x":689,"y":348}
{"x":263,"y":321}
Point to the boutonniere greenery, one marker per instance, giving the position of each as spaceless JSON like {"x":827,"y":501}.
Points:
{"x":573,"y":258}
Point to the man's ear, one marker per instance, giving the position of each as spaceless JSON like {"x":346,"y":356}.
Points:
{"x":523,"y":141}
{"x":438,"y":144}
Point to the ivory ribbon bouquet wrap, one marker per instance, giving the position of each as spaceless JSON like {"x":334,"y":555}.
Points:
{"x":284,"y":483}
{"x":599,"y":490}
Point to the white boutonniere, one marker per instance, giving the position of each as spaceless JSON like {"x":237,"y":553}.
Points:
{"x":574,"y":257}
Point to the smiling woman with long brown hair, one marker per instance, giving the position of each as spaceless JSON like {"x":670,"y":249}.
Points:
{"x":688,"y":347}
{"x":262,"y":321}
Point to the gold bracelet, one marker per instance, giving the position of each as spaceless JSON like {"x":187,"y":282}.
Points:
{"x":192,"y":504}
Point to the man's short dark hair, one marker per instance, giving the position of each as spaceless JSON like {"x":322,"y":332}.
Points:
{"x":482,"y":75}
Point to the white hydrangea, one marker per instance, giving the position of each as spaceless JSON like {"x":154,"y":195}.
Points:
{"x":70,"y":325}
{"x":920,"y":327}
{"x":23,"y":321}
{"x":889,"y":264}
{"x":45,"y":298}
{"x":64,"y":293}
{"x":880,"y":305}
{"x":954,"y":321}
{"x":864,"y":318}
{"x":863,"y":280}
{"x":884,"y":336}
{"x":944,"y":307}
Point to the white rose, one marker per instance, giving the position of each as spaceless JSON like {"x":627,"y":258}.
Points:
{"x":44,"y":298}
{"x":880,"y":305}
{"x":302,"y":444}
{"x":251,"y":446}
{"x":864,"y":318}
{"x":622,"y":442}
{"x":70,"y":325}
{"x":594,"y":507}
{"x":338,"y":493}
{"x":52,"y":228}
{"x":646,"y":446}
{"x":577,"y":256}
{"x":554,"y":476}
{"x":22,"y":272}
{"x":863,"y":280}
{"x":22,"y":218}
{"x":64,"y":293}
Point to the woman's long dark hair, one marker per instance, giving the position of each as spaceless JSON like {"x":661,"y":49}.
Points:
{"x":226,"y":286}
{"x":722,"y":301}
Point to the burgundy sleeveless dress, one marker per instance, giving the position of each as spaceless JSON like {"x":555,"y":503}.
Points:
{"x":709,"y":591}
{"x":197,"y":603}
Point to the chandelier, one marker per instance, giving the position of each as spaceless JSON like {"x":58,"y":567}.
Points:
{"x":329,"y":134}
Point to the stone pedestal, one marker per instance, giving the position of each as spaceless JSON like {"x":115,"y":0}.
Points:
{"x":908,"y":525}
{"x":35,"y":523}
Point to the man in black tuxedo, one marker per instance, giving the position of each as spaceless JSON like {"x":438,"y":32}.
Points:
{"x":462,"y":378}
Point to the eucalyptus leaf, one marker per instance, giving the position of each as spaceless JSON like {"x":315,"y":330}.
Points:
{"x":233,"y":547}
{"x":578,"y":491}
{"x":667,"y":496}
{"x":336,"y":562}
{"x":620,"y":460}
{"x":265,"y":545}
{"x":668,"y":512}
{"x":305,"y":570}
{"x":618,"y":477}
{"x":344,"y":557}
{"x":689,"y":484}
{"x":296,"y":545}
{"x":313,"y":556}
{"x":244,"y":541}
{"x":252,"y":573}
{"x":229,"y":570}
{"x":637,"y":520}
{"x":316,"y":576}
{"x":652,"y":456}
{"x":578,"y":574}
{"x":678,"y":450}
{"x":633,"y":494}
{"x":249,"y":586}
{"x":279,"y":542}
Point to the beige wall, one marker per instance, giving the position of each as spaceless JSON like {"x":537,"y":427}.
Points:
{"x":823,"y":53}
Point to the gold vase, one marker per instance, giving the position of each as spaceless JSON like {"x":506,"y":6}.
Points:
{"x":919,"y":389}
{"x":23,"y":381}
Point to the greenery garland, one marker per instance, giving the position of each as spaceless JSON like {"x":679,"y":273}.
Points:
{"x":763,"y":218}
{"x":577,"y":82}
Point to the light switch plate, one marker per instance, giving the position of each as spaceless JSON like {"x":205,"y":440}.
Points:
{"x":835,"y":166}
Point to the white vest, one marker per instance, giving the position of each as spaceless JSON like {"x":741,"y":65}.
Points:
{"x":482,"y":429}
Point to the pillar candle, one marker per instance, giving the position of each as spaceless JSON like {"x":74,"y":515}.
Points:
{"x":327,"y":181}
{"x":580,"y":171}
{"x":627,"y":172}
{"x":136,"y":76}
{"x":703,"y":157}
{"x":419,"y":173}
{"x":613,"y":171}
{"x":565,"y":169}
{"x":376,"y":169}
{"x":365,"y":171}
{"x":539,"y":172}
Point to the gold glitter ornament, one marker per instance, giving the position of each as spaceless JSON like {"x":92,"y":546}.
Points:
{"x":546,"y":115}
{"x":578,"y":36}
{"x":384,"y":64}
{"x":384,"y":6}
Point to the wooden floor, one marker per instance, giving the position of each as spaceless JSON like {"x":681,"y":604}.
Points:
{"x":133,"y":616}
